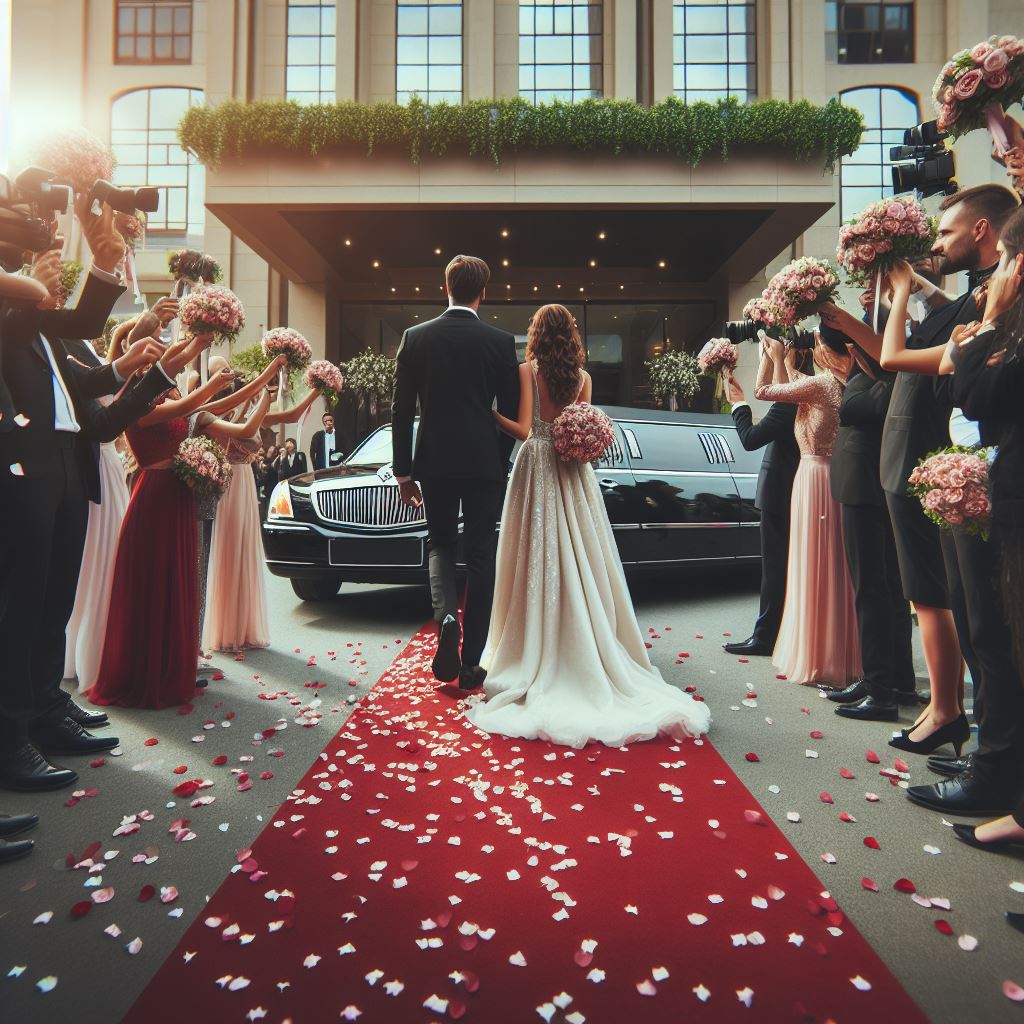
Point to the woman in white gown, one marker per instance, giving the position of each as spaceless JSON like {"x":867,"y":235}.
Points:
{"x":565,"y":658}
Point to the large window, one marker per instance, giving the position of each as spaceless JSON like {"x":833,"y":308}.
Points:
{"x":869,"y":31}
{"x":143,"y":135}
{"x":429,"y":51}
{"x":865,"y":176}
{"x":560,"y":50}
{"x":153,"y":32}
{"x":310,"y":73}
{"x":714,"y":50}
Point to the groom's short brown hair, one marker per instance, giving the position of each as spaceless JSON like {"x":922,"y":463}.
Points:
{"x":466,"y":278}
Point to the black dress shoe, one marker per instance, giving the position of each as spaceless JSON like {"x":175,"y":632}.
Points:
{"x":26,"y":770}
{"x":870,"y":710}
{"x":447,"y":664}
{"x":964,"y":794}
{"x":68,"y":737}
{"x":966,"y":834}
{"x":1015,"y":920}
{"x":856,"y":691}
{"x":15,"y":851}
{"x":12,"y":825}
{"x":955,"y":733}
{"x":86,"y":719}
{"x":472,"y":678}
{"x":950,"y":766}
{"x":749,"y":647}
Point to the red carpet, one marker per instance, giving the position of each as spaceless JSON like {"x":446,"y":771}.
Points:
{"x":642,"y":888}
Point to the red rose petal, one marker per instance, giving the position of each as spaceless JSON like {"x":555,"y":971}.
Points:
{"x":900,"y":765}
{"x":943,"y":926}
{"x":872,"y":757}
{"x":752,"y":757}
{"x":81,"y":909}
{"x":98,"y":763}
{"x":846,"y":817}
{"x":181,"y":769}
{"x":904,"y":885}
{"x":146,"y":893}
{"x":846,"y":773}
{"x":151,"y":742}
{"x":870,"y":885}
{"x":826,"y":798}
{"x":220,"y":759}
{"x":817,"y":734}
{"x":871,"y":843}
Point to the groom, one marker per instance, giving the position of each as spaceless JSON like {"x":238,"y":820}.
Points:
{"x":456,"y":366}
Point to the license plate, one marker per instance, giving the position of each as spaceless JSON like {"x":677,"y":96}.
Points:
{"x":371,"y":551}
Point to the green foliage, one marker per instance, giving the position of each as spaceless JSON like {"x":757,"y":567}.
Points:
{"x":496,"y":128}
{"x":673,"y":374}
{"x":70,"y":273}
{"x":249,"y":361}
{"x":370,"y":375}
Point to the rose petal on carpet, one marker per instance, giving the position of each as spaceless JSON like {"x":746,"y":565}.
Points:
{"x":423,"y":871}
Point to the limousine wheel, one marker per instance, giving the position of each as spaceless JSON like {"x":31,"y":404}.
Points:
{"x":316,"y":590}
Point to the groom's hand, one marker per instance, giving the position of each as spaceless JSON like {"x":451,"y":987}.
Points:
{"x":409,"y":491}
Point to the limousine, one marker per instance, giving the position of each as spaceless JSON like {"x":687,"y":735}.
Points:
{"x":678,"y":487}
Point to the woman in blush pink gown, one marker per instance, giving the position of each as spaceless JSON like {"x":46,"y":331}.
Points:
{"x":818,"y":640}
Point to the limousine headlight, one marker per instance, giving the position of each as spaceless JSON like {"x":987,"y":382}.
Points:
{"x":281,"y":502}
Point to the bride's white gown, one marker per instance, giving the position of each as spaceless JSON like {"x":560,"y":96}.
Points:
{"x":565,"y":657}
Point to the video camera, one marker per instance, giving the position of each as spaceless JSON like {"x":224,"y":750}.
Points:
{"x":124,"y":200}
{"x":746,"y":330}
{"x":923,"y":164}
{"x":27,"y":209}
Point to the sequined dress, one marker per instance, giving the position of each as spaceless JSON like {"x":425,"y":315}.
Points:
{"x":565,"y":657}
{"x":236,"y":610}
{"x":818,"y":639}
{"x":149,"y":650}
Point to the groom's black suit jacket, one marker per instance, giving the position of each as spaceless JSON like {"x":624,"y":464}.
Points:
{"x":455,"y":366}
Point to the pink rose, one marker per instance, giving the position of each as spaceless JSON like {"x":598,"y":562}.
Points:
{"x":866,"y":252}
{"x":818,"y":281}
{"x":932,"y":500}
{"x":949,"y":69}
{"x":871,"y":226}
{"x":997,"y":79}
{"x":1005,"y":41}
{"x":1014,"y":48}
{"x":995,"y":61}
{"x":810,"y":295}
{"x":980,"y":52}
{"x":948,"y":114}
{"x":953,"y":495}
{"x":967,"y":84}
{"x":896,"y":211}
{"x":889,"y":225}
{"x":957,"y":478}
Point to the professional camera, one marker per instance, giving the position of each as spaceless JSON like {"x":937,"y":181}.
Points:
{"x":27,"y":208}
{"x":740,"y":330}
{"x":800,"y":339}
{"x":125,"y":200}
{"x":923,"y":164}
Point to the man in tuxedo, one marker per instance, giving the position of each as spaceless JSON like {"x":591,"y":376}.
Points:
{"x":49,"y":475}
{"x":883,"y":613}
{"x":781,"y":458}
{"x":325,"y":448}
{"x":981,"y":783}
{"x":456,"y":367}
{"x":290,"y":462}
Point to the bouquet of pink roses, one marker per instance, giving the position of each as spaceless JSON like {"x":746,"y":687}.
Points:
{"x":131,"y":227}
{"x":797,"y":291}
{"x":952,"y":485}
{"x":77,"y":156}
{"x":882,"y":234}
{"x":325,"y":377}
{"x":203,"y":465}
{"x":718,"y":354}
{"x":212,"y":309}
{"x":292,"y":345}
{"x":976,"y":84}
{"x":581,"y":433}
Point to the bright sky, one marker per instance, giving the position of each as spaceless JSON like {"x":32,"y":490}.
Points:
{"x":5,"y":75}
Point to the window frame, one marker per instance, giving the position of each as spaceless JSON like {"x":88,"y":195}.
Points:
{"x":751,"y":63}
{"x":880,"y":87}
{"x":322,"y":95}
{"x":189,"y":163}
{"x":880,"y":4}
{"x":153,"y":35}
{"x":427,"y":36}
{"x":596,"y":42}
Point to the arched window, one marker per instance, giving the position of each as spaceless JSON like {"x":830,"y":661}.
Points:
{"x":714,"y":50}
{"x":143,"y":135}
{"x":865,"y":175}
{"x":310,"y":71}
{"x":428,"y":40}
{"x":560,"y":50}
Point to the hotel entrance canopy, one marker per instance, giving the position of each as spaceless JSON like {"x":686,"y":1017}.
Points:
{"x":380,"y":227}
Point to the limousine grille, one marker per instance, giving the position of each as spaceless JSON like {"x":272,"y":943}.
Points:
{"x":365,"y":506}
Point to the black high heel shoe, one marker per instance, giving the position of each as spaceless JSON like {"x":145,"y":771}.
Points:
{"x":956,"y":733}
{"x":966,"y":834}
{"x":1015,"y":919}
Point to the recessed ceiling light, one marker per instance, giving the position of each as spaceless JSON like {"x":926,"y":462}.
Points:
{"x":593,"y":263}
{"x":504,"y":263}
{"x":376,"y":263}
{"x":392,"y":289}
{"x":558,"y":286}
{"x":661,"y":263}
{"x":504,"y":232}
{"x":581,"y":289}
{"x":417,"y":288}
{"x":437,"y":252}
{"x":622,"y":287}
{"x":534,"y":287}
{"x":348,"y":241}
{"x":600,"y":235}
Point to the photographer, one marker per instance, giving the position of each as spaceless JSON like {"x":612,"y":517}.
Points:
{"x":45,"y":492}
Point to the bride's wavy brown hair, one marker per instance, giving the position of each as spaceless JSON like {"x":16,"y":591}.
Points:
{"x":553,"y":342}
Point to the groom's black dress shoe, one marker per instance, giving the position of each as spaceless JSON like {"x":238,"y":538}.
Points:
{"x":964,"y":794}
{"x":1015,"y":920}
{"x":870,"y":710}
{"x":86,"y":719}
{"x":25,"y":769}
{"x":15,"y":851}
{"x":68,"y":737}
{"x":472,"y":678}
{"x":950,"y":766}
{"x":447,"y":664}
{"x":12,"y":825}
{"x":856,"y":691}
{"x":749,"y":646}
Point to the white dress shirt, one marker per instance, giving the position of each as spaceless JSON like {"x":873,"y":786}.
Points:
{"x":328,"y":447}
{"x":63,"y":409}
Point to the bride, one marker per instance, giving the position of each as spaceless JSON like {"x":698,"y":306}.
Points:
{"x":565,"y":658}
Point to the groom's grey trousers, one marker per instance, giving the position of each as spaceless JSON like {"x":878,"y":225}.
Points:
{"x":480,"y":501}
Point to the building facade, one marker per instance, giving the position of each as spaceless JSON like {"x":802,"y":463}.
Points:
{"x":649,"y":252}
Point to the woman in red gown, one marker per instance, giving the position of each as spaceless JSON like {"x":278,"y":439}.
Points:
{"x":149,"y":650}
